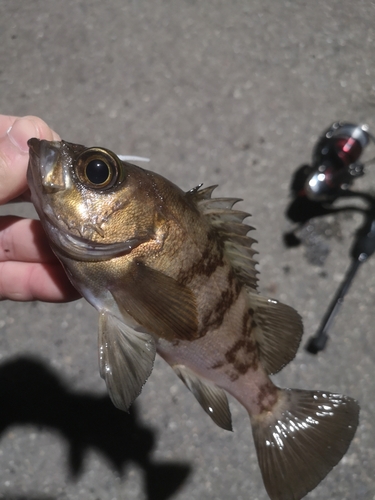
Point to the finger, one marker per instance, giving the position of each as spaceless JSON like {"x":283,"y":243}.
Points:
{"x":22,"y":281}
{"x":24,"y":240}
{"x":5,"y":124}
{"x":14,"y":134}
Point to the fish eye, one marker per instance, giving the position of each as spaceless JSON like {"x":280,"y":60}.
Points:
{"x":98,"y":168}
{"x":97,"y":172}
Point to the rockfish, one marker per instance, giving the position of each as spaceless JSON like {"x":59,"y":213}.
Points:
{"x":173,"y":272}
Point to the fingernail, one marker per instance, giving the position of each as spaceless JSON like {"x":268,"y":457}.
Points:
{"x":22,"y":130}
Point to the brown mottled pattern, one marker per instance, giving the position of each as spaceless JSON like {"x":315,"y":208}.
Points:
{"x":215,"y":316}
{"x":208,"y":262}
{"x":243,"y":355}
{"x":267,"y":396}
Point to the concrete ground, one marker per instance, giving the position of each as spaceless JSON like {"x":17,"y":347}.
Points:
{"x":230,"y":93}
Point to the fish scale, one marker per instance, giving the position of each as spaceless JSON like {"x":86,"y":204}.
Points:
{"x":174,"y":273}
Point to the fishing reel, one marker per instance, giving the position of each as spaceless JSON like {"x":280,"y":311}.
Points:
{"x":335,"y":161}
{"x":335,"y":166}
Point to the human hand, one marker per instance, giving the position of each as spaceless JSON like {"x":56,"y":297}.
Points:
{"x":29,"y":269}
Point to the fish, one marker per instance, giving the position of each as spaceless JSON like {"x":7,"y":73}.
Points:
{"x":174,"y":273}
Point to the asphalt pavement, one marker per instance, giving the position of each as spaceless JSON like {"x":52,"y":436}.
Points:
{"x":230,"y":93}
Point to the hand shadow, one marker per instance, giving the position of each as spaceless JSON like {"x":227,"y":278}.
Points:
{"x":31,"y":393}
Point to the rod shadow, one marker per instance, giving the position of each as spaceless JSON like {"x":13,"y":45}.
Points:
{"x":32,"y":393}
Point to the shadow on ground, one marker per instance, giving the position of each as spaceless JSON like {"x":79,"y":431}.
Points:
{"x":7,"y":497}
{"x":32,"y":394}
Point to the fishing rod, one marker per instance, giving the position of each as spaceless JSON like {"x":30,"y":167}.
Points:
{"x":335,"y":166}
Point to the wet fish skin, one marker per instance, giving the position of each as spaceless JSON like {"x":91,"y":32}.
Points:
{"x":173,"y":272}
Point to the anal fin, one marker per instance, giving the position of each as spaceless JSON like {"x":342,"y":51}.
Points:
{"x":278,"y":331}
{"x":211,"y":398}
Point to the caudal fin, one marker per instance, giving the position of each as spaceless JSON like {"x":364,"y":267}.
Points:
{"x":302,"y":440}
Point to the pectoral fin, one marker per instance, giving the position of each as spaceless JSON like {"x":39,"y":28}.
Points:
{"x":212,"y":399}
{"x":126,"y":358}
{"x":159,"y":303}
{"x":278,"y":331}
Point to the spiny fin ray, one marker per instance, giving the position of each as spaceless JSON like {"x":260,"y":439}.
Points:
{"x":230,"y":227}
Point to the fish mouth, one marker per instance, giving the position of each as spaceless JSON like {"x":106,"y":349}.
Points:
{"x":86,"y":251}
{"x":45,"y":158}
{"x":35,"y":176}
{"x":34,"y":146}
{"x":70,"y":245}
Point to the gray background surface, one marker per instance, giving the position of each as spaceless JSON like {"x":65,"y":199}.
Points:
{"x":230,"y":93}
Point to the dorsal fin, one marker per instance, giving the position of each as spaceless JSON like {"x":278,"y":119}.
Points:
{"x":230,"y":227}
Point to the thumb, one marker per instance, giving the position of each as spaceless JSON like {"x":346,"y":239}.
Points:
{"x":14,"y":152}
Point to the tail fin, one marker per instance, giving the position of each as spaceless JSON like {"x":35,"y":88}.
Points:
{"x":302,"y":440}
